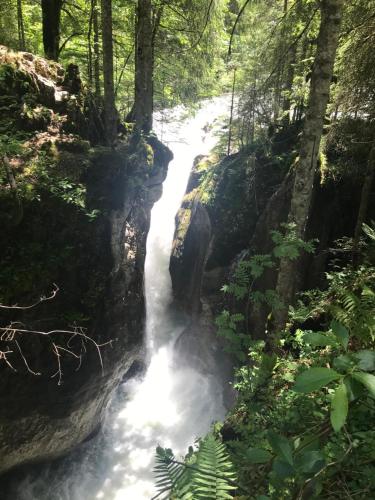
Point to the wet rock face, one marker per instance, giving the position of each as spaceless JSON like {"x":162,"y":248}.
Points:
{"x":217,"y":216}
{"x":94,"y":250}
{"x":189,"y":255}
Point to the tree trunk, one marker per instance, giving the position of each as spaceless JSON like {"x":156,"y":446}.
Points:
{"x":51,"y":15}
{"x":89,"y":45}
{"x":331,"y":13}
{"x":110,"y":117}
{"x":144,"y":67}
{"x":231,"y":112}
{"x":288,"y":85}
{"x":96,"y":51}
{"x":21,"y":28}
{"x":365,"y":198}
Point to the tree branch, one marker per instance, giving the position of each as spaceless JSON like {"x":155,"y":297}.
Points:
{"x":235,"y":26}
{"x":42,"y":299}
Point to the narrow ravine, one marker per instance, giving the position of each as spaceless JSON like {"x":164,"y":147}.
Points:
{"x":173,"y":403}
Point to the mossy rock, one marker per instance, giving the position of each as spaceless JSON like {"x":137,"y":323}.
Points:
{"x":73,"y":144}
{"x":34,"y":119}
{"x":15,"y":82}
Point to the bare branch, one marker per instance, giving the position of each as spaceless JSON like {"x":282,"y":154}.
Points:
{"x":42,"y":299}
{"x":3,"y":356}
{"x":10,"y":332}
{"x":24,"y":359}
{"x":15,"y":329}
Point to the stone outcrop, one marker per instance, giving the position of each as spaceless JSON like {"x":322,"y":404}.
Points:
{"x":219,"y":212}
{"x":246,"y":196}
{"x":84,"y":223}
{"x":189,"y":255}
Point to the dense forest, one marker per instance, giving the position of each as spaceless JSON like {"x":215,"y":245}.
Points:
{"x":274,"y":245}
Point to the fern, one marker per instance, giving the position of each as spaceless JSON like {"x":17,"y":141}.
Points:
{"x":206,"y":474}
{"x":214,"y":476}
{"x":171,"y":476}
{"x":349,"y":299}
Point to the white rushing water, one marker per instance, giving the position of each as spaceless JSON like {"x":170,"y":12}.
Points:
{"x":173,"y":403}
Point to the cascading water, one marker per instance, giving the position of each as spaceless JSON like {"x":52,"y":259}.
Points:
{"x":173,"y":403}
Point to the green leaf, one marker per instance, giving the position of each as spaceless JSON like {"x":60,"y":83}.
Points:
{"x":354,"y":388}
{"x":318,"y":339}
{"x":282,"y":469}
{"x":258,"y":456}
{"x":342,"y":362}
{"x":314,"y":379}
{"x":365,"y":360}
{"x":281,"y":447}
{"x":310,"y":462}
{"x":341,"y":333}
{"x":308,"y":442}
{"x":339,"y":407}
{"x":367,"y":380}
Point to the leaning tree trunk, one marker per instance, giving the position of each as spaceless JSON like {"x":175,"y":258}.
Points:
{"x":144,"y":67}
{"x":51,"y":15}
{"x":110,"y":115}
{"x":21,"y":28}
{"x":331,"y":13}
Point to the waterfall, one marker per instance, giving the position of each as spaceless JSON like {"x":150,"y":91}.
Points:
{"x":173,"y":403}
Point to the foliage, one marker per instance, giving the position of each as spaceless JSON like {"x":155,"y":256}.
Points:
{"x":188,"y":39}
{"x":349,"y":299}
{"x":303,"y":417}
{"x":206,"y":474}
{"x":302,"y":421}
{"x":40,"y":176}
{"x":242,"y":287}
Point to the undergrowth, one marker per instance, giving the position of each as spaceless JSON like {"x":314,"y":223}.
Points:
{"x":302,"y":426}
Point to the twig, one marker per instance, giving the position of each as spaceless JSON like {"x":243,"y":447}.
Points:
{"x":3,"y":356}
{"x":42,"y":299}
{"x":24,"y":359}
{"x":10,"y":332}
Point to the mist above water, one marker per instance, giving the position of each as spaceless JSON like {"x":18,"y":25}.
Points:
{"x":173,"y":403}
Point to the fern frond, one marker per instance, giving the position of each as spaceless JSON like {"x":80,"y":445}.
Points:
{"x":214,"y":477}
{"x":208,"y":474}
{"x":169,"y":474}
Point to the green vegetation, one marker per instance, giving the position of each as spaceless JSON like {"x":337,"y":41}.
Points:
{"x":302,"y":423}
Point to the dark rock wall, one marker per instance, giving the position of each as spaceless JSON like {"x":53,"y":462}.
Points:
{"x":246,"y":196}
{"x":189,"y":255}
{"x":95,"y":254}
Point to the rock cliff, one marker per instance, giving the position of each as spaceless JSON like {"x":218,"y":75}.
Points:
{"x":244,"y":197}
{"x":74,"y":222}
